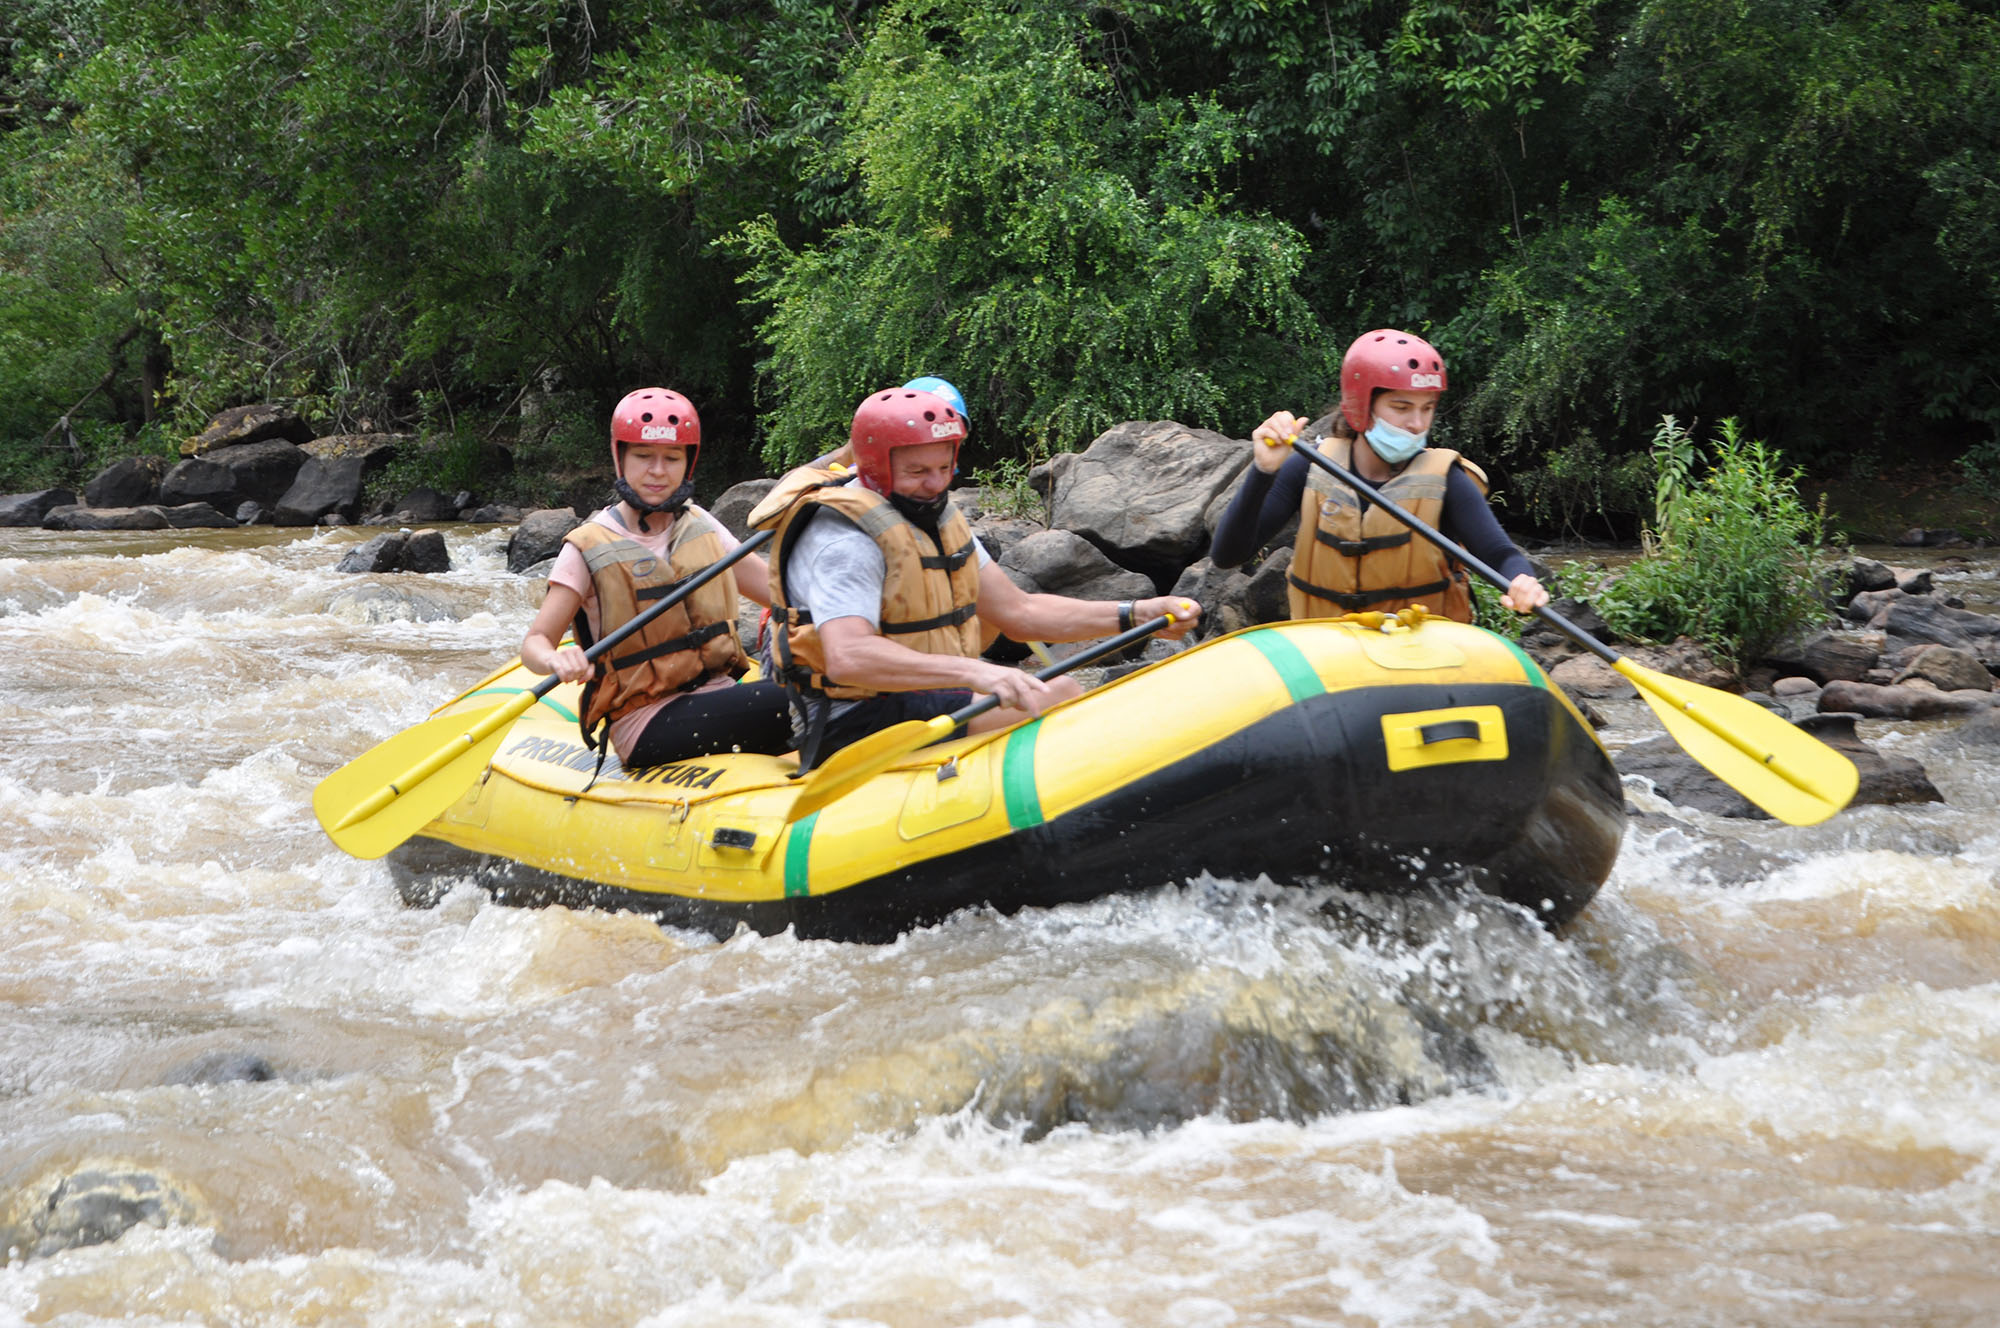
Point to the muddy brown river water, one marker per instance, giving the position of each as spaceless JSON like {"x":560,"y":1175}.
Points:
{"x":1758,"y":1083}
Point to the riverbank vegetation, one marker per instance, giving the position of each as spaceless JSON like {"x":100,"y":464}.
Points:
{"x":1731,"y":557}
{"x":485,"y":221}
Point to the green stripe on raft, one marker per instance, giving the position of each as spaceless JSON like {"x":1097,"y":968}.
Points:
{"x":566,"y":713}
{"x":1529,"y":669}
{"x":1294,"y":669}
{"x":798,"y":855}
{"x":1017,"y":777}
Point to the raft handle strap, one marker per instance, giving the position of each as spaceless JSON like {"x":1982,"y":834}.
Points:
{"x":1449,"y":731}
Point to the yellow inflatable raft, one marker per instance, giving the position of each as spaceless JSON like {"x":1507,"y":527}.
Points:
{"x":1326,"y":752}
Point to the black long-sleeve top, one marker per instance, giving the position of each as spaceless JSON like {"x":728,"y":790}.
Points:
{"x":1266,"y":502}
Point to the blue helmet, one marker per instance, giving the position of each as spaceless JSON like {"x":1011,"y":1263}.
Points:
{"x":939,"y":386}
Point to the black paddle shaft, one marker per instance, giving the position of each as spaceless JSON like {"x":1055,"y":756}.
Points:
{"x":1363,"y":487}
{"x":681,"y":592}
{"x":1062,"y":666}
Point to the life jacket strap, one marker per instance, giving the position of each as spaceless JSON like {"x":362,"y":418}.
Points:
{"x":1361,"y":547}
{"x":694,"y":640}
{"x":1358,"y":600}
{"x":963,"y":614}
{"x":944,"y":562}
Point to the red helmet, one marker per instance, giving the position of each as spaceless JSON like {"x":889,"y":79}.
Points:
{"x":900,"y":417}
{"x":654,"y":415}
{"x":1386,"y":358}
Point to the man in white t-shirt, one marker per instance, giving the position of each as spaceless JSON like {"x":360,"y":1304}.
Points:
{"x":882,"y":598}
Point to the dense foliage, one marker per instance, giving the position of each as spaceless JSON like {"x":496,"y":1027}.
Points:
{"x":429,"y":212}
{"x":1731,"y":558}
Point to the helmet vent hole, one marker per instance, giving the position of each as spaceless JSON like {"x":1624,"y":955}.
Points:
{"x":646,"y":417}
{"x":1415,"y":365}
{"x":930,"y":415}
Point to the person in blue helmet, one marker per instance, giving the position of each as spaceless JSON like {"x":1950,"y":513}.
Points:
{"x":844,"y":454}
{"x":929,"y":383}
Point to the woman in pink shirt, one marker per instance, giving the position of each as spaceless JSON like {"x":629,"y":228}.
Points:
{"x":669,"y":691}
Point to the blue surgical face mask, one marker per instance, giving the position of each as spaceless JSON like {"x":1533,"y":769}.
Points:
{"x":1395,"y":445}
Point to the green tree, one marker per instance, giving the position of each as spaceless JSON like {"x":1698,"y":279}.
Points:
{"x":1067,"y":259}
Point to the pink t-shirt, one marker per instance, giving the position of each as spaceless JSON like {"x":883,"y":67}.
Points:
{"x":570,"y":570}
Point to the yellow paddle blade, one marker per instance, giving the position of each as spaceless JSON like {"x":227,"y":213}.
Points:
{"x":1776,"y":765}
{"x":396,"y":788}
{"x":858,"y":760}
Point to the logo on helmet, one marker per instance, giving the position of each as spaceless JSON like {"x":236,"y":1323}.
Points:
{"x":947,"y":429}
{"x":658,"y":433}
{"x":1418,"y":380}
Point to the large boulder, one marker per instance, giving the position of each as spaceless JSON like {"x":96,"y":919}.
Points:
{"x":1826,"y":656}
{"x":29,"y":509}
{"x":263,"y":470}
{"x":196,"y":516}
{"x":128,"y":482}
{"x":1868,"y":607}
{"x":732,"y":508}
{"x":1923,"y":620}
{"x":1286,"y":535}
{"x":1946,"y":669}
{"x":1222,"y":592}
{"x":336,"y":471}
{"x":378,"y":448}
{"x":105,"y":518}
{"x":1141,"y":492}
{"x":1549,"y":644}
{"x":1685,"y":659}
{"x":1061,"y":562}
{"x":199,"y":480}
{"x":1908,"y":701}
{"x":1585,"y":675}
{"x":398,"y":551}
{"x":1268,"y":598}
{"x":249,"y":424}
{"x":323,"y":489}
{"x":425,"y":551}
{"x":93,"y":1201}
{"x":1868,"y":574}
{"x":376,"y":555}
{"x":423,"y":504}
{"x":1001,"y":533}
{"x":539,"y":537}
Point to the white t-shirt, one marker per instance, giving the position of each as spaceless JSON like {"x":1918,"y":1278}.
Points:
{"x":572,"y":571}
{"x":836,"y":571}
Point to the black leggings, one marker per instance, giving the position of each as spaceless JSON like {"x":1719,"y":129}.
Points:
{"x":749,"y":717}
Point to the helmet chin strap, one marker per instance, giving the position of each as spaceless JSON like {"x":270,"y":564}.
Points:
{"x":924,"y":514}
{"x":673,"y":504}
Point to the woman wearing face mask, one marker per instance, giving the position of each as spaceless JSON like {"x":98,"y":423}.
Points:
{"x":1351,"y":555}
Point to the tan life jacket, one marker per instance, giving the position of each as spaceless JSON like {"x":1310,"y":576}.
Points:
{"x":676,"y":652}
{"x":1347,"y":560}
{"x":930,"y":590}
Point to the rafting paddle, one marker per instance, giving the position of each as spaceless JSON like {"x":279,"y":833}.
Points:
{"x":847,"y":768}
{"x":388,"y":793}
{"x":1781,"y":768}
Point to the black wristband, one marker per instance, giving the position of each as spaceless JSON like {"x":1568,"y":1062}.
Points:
{"x":1125,"y":615}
